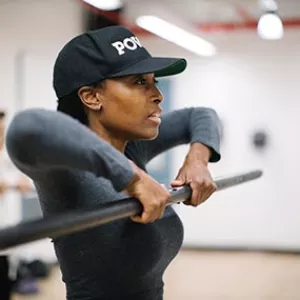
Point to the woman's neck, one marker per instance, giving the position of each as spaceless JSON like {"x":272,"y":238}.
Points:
{"x":116,"y":142}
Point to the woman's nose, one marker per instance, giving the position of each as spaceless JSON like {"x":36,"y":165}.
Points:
{"x":157,"y":96}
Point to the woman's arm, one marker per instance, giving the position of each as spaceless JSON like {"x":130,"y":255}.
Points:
{"x":189,"y":125}
{"x":39,"y":140}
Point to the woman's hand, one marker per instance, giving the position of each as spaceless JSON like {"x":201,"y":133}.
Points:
{"x":150,"y":193}
{"x":195,"y":173}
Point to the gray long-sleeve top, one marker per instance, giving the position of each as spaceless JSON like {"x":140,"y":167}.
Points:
{"x":72,"y":168}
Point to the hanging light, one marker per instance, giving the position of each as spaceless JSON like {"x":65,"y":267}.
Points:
{"x":105,"y":4}
{"x":270,"y":26}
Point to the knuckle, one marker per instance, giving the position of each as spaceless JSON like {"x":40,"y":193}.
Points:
{"x":194,"y":184}
{"x":198,"y":184}
{"x":208,"y":183}
{"x":154,"y":205}
{"x":162,"y":202}
{"x":205,"y":183}
{"x":167,"y":194}
{"x":166,"y":199}
{"x":208,"y":193}
{"x":211,"y":192}
{"x":156,"y":202}
{"x":148,"y":211}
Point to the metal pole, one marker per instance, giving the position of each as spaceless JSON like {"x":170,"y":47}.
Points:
{"x":74,"y":221}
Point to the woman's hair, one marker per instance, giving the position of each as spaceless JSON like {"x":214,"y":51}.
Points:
{"x":73,"y":106}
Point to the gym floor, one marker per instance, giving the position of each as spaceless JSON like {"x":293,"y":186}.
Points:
{"x":195,"y":275}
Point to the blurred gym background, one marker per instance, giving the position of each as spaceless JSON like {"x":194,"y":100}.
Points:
{"x":242,"y":61}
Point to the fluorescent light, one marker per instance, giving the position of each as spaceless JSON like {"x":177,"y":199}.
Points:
{"x":270,"y":27}
{"x":105,"y":4}
{"x":176,"y":35}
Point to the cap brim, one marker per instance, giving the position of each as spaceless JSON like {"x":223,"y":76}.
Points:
{"x":160,"y":66}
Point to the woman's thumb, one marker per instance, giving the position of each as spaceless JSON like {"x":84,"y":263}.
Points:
{"x":177,"y":182}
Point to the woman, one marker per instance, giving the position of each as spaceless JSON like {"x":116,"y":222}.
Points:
{"x":106,"y":80}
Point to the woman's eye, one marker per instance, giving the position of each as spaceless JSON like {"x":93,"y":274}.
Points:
{"x":140,"y":81}
{"x":143,"y":81}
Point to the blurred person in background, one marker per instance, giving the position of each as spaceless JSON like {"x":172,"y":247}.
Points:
{"x":12,"y":184}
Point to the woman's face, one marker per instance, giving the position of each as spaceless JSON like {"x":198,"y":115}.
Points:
{"x":131,"y":107}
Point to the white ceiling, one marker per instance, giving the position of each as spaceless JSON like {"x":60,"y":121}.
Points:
{"x":232,"y":12}
{"x":206,"y":11}
{"x":203,"y":11}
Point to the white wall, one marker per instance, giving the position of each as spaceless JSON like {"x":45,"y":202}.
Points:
{"x":32,"y":32}
{"x":252,"y":84}
{"x":35,"y":28}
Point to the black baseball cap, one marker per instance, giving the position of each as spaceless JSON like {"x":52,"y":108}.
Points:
{"x":108,"y":52}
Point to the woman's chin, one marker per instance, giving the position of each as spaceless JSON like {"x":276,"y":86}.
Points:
{"x":149,"y":134}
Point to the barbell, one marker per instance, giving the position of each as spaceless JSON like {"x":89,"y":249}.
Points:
{"x":78,"y":220}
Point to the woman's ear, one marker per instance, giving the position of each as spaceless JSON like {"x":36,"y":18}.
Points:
{"x":90,"y":97}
